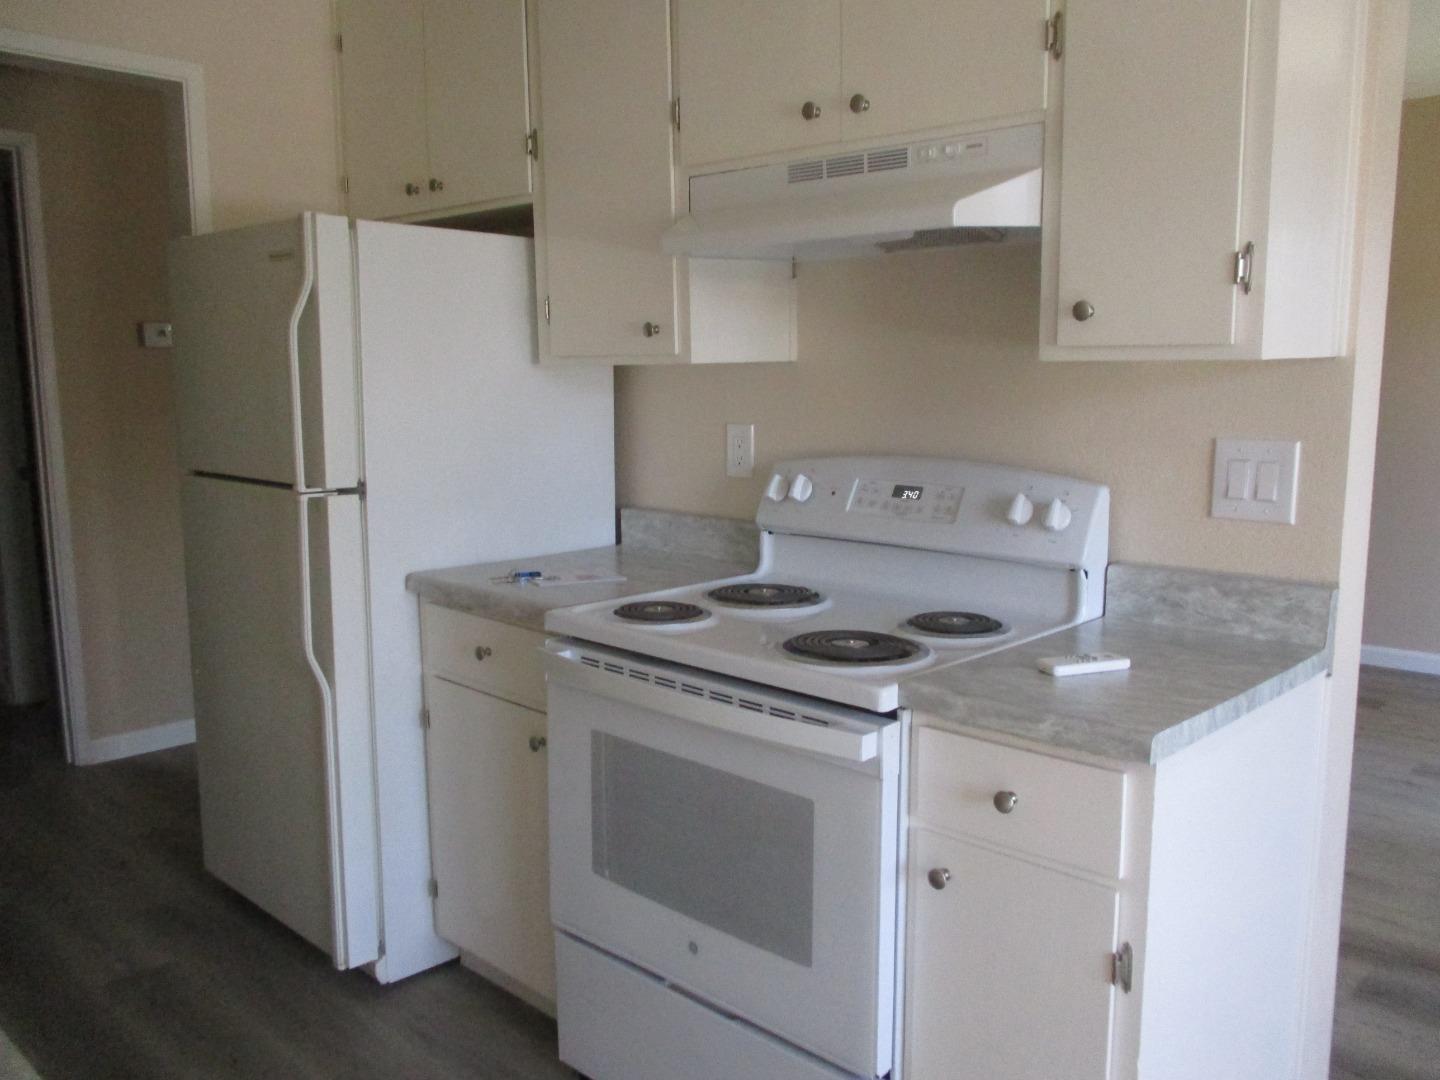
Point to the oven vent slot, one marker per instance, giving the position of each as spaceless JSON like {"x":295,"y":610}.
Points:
{"x":692,"y":689}
{"x":808,"y":719}
{"x":750,"y":706}
{"x":590,"y":661}
{"x":722,"y":698}
{"x":615,"y":669}
{"x":666,"y":683}
{"x":639,"y":676}
{"x":783,"y":714}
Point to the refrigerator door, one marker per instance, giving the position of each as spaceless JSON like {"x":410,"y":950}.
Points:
{"x":281,"y":657}
{"x":265,"y":340}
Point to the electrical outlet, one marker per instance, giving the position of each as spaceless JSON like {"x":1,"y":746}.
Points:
{"x":156,"y":335}
{"x":739,"y":449}
{"x":1255,"y":480}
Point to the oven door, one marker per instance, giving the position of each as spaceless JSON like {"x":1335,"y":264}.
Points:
{"x":737,"y":841}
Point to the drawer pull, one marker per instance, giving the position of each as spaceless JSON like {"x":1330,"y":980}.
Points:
{"x":538,"y":743}
{"x":483,"y":651}
{"x":1005,"y":801}
{"x":939,"y":877}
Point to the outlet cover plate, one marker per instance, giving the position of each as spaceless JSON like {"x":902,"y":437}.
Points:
{"x":1245,"y":477}
{"x":739,"y":449}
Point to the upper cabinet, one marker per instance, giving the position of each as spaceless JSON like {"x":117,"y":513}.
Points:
{"x":759,"y":78}
{"x":435,"y":104}
{"x":1199,"y":180}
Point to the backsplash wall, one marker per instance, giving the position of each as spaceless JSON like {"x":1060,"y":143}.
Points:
{"x":935,"y":353}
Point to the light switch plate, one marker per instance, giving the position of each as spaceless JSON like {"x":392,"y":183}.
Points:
{"x":739,"y":449}
{"x":1256,"y":480}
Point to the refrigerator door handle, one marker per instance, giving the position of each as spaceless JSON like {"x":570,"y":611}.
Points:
{"x":307,"y":286}
{"x":340,"y":953}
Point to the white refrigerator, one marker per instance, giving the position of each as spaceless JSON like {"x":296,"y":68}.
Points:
{"x":356,"y":402}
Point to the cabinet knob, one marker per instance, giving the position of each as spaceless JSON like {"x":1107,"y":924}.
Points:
{"x":651,"y":329}
{"x":1005,"y":801}
{"x":437,"y":185}
{"x":810,"y":111}
{"x":482,"y":651}
{"x":859,"y":104}
{"x":412,"y":189}
{"x":938,"y":878}
{"x":538,"y":743}
{"x":1082,"y":310}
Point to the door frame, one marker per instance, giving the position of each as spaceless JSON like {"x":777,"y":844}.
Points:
{"x":188,"y":80}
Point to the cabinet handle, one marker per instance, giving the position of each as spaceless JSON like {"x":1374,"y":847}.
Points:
{"x":1005,"y":801}
{"x":651,"y":329}
{"x":437,"y":185}
{"x":538,"y":743}
{"x":938,"y":878}
{"x":1082,"y":310}
{"x":859,"y":104}
{"x":482,"y":651}
{"x":810,"y":111}
{"x":412,"y":189}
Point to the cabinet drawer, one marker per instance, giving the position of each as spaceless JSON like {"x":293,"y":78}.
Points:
{"x":1063,"y":810}
{"x":484,"y":655}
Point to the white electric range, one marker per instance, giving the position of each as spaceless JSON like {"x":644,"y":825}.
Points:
{"x":726,"y":762}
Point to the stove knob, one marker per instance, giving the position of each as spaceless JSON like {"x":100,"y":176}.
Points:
{"x":777,"y":487}
{"x":1021,"y":510}
{"x":1057,"y":516}
{"x":801,"y":488}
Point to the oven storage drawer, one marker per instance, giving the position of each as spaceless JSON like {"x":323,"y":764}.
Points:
{"x":484,"y":655}
{"x":1062,"y":810}
{"x":622,"y":1023}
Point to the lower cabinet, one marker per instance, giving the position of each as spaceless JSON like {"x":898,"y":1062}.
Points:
{"x":1009,"y":967}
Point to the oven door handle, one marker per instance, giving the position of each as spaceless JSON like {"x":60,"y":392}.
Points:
{"x":633,"y":684}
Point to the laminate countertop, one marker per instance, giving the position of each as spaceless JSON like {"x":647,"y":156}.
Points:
{"x":480,"y":589}
{"x":1183,"y":684}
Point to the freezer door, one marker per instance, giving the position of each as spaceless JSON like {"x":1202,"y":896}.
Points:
{"x":278,"y":636}
{"x":265,"y":350}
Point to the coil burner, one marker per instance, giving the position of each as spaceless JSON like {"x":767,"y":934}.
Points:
{"x":852,"y":647}
{"x":763,"y":594}
{"x":955,"y":624}
{"x":661,"y":612}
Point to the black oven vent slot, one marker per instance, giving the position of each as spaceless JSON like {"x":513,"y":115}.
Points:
{"x":750,"y":706}
{"x":641,"y":676}
{"x":783,"y":714}
{"x":615,"y":669}
{"x":590,"y":661}
{"x":722,"y":698}
{"x":808,"y":719}
{"x":692,"y":689}
{"x":664,"y":682}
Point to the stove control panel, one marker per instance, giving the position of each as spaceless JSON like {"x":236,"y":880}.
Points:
{"x":936,"y":503}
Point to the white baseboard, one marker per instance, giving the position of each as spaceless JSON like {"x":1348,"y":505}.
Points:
{"x":1427,"y":663}
{"x":129,"y":743}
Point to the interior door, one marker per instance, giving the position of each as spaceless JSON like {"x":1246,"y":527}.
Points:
{"x":606,"y":174}
{"x":746,"y":70}
{"x":477,"y":100}
{"x":921,"y":64}
{"x":1151,"y":142}
{"x":281,"y":706}
{"x":382,"y":68}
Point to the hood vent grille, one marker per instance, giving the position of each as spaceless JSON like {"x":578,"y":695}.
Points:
{"x":895,"y":157}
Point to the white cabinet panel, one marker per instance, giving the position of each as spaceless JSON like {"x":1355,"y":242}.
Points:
{"x":489,"y":832}
{"x":747,"y":68}
{"x":1151,"y":145}
{"x":478,"y":110}
{"x":383,"y":105}
{"x":1009,"y":968}
{"x":606,"y":180}
{"x":926,"y":64}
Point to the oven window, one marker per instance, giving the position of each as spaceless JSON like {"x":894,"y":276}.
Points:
{"x":731,"y":853}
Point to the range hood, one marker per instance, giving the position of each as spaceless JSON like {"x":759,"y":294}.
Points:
{"x":967,"y":189}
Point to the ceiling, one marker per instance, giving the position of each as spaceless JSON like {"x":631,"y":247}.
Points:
{"x":1422,"y":61}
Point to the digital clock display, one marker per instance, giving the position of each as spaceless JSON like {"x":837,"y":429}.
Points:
{"x":906,"y":493}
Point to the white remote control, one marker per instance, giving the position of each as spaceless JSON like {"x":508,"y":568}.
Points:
{"x":1082,"y":664}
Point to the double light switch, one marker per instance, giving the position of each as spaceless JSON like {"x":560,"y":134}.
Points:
{"x":1255,"y":480}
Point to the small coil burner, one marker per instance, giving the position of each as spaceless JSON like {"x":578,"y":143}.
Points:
{"x":661,"y":612}
{"x":852,"y":647}
{"x":765,"y":595}
{"x":954,"y":624}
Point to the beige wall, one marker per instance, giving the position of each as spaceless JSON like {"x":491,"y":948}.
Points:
{"x":269,"y":83}
{"x":936,"y":353}
{"x":1402,"y":607}
{"x":101,"y":148}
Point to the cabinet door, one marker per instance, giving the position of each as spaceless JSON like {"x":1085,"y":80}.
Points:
{"x":477,"y":99}
{"x":1150,"y":165}
{"x":746,"y":70}
{"x":382,"y":65}
{"x":606,"y":179}
{"x":1009,"y":968}
{"x":937,"y":63}
{"x":489,"y":832}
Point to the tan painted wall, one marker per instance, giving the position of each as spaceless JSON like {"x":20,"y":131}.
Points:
{"x":269,"y":82}
{"x":936,"y":353}
{"x":106,"y":213}
{"x":1402,"y":607}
